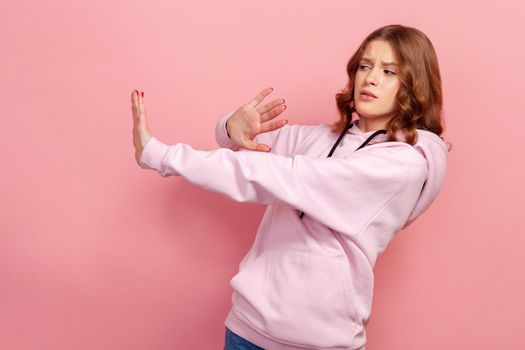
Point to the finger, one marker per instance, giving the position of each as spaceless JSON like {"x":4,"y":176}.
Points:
{"x":260,"y":97}
{"x":141,"y":108}
{"x":270,"y":105}
{"x":134,"y":95}
{"x":271,"y":114}
{"x":260,"y":147}
{"x":134,"y":105}
{"x":133,"y":99}
{"x":273,"y":125}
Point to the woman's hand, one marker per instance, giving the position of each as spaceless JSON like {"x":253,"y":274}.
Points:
{"x":249,"y":121}
{"x":141,"y":133}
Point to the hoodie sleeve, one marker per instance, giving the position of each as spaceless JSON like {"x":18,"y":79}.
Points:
{"x":221,"y":135}
{"x":342,"y":193}
{"x":285,"y":140}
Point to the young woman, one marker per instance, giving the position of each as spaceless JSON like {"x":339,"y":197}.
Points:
{"x":336,"y":194}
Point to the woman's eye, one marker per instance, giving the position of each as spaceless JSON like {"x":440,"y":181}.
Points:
{"x":361,"y":66}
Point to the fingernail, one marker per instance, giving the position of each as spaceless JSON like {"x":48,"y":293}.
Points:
{"x":142,"y":93}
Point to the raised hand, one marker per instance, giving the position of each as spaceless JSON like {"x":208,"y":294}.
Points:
{"x":250,"y":120}
{"x":141,"y":133}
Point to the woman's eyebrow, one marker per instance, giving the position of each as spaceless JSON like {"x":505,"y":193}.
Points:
{"x":382,"y":62}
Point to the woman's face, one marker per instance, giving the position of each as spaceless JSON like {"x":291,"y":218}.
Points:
{"x":378,"y":75}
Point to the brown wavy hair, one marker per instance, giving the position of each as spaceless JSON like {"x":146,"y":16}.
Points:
{"x":419,"y":100}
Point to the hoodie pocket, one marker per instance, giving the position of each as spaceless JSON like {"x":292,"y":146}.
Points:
{"x":298,"y":298}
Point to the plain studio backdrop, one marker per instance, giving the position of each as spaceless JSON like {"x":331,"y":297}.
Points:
{"x":97,"y":253}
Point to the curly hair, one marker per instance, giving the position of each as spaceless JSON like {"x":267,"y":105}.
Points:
{"x":419,"y":100}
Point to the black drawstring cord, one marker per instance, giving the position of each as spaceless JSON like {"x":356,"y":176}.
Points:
{"x":382,"y":131}
{"x":340,"y":138}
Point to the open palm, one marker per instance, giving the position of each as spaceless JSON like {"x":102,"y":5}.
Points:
{"x":141,"y":133}
{"x":252,"y":119}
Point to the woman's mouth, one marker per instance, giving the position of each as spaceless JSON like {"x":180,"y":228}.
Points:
{"x":366,"y":97}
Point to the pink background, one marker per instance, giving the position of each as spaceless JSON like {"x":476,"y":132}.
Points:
{"x":96,"y":253}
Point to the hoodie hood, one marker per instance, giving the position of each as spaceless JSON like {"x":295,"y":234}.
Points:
{"x":435,"y":151}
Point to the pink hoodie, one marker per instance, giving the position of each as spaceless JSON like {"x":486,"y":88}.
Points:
{"x":308,"y":283}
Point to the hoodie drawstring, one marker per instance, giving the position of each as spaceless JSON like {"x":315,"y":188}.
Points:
{"x":382,"y":131}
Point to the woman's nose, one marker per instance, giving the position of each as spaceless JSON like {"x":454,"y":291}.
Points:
{"x":371,"y":78}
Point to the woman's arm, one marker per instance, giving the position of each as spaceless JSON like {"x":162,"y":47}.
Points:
{"x":342,"y":193}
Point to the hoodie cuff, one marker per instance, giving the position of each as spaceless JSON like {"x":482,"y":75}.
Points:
{"x":221,"y":135}
{"x":154,"y":155}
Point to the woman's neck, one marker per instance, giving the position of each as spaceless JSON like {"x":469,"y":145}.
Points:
{"x":371,"y":124}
